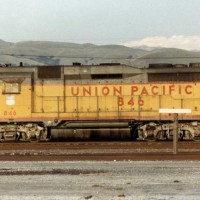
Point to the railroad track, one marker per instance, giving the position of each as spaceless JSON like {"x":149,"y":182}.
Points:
{"x":61,"y":151}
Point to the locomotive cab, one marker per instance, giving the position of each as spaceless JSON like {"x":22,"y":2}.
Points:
{"x":16,"y":106}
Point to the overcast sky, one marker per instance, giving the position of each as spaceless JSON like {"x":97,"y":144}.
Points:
{"x":130,"y":22}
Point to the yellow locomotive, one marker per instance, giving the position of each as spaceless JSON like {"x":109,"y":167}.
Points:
{"x":106,"y":100}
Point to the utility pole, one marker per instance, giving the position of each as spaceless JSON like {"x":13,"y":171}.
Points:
{"x":175,"y":127}
{"x":175,"y":134}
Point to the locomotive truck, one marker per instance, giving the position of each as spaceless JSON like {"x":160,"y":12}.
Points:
{"x":98,"y":101}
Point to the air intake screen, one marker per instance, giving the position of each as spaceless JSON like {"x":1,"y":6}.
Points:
{"x":45,"y":72}
{"x":106,"y":76}
{"x":159,"y":77}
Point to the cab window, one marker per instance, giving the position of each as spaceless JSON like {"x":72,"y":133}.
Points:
{"x":11,"y":88}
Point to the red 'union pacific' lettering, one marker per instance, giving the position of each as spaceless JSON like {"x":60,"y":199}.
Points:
{"x":131,"y":90}
{"x":95,"y":91}
{"x":154,"y":90}
{"x":188,"y":89}
{"x":168,"y":89}
{"x":105,"y":91}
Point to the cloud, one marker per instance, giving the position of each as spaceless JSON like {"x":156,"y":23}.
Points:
{"x":176,"y":41}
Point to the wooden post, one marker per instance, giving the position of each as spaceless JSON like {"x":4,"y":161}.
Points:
{"x":175,"y":134}
{"x":175,"y":111}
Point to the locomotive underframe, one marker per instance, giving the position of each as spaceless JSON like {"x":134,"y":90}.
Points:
{"x":98,"y":130}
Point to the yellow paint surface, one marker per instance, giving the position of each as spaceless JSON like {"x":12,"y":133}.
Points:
{"x":105,"y":101}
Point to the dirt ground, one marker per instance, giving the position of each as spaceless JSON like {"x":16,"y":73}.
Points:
{"x":108,"y":151}
{"x":142,"y":170}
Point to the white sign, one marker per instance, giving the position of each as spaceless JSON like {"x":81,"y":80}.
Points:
{"x":10,"y":100}
{"x":175,"y":110}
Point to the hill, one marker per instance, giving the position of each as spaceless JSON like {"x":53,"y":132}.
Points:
{"x":167,"y":55}
{"x":62,"y":53}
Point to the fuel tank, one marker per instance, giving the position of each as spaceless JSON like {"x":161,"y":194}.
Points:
{"x":91,"y":134}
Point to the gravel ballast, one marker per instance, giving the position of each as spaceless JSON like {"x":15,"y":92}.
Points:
{"x":100,"y":180}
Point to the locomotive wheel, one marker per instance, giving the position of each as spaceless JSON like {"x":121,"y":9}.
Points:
{"x":161,"y":135}
{"x":23,"y":136}
{"x":187,"y":135}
